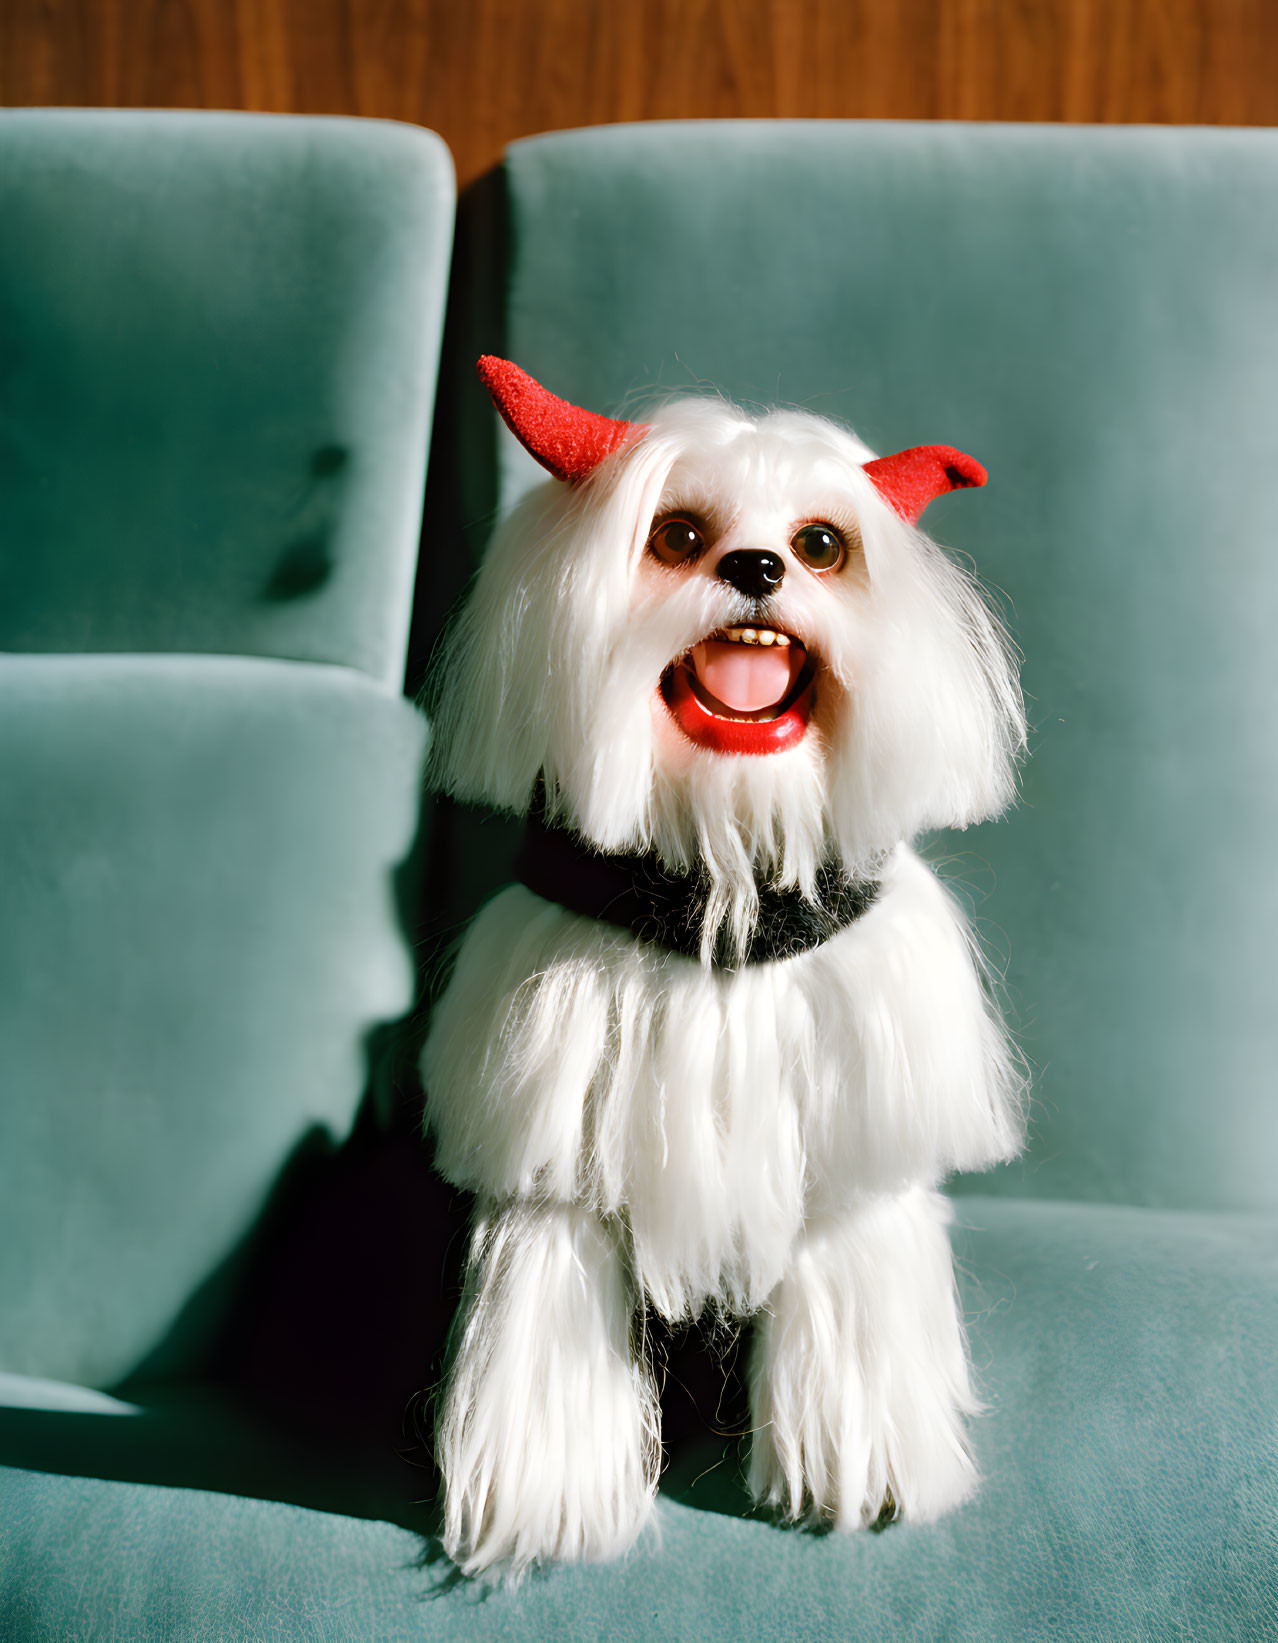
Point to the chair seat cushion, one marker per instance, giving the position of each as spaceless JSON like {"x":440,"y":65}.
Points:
{"x":1130,"y":1361}
{"x":200,"y":930}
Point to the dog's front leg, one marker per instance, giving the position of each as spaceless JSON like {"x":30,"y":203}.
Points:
{"x":549,"y":1438}
{"x":859,"y":1376}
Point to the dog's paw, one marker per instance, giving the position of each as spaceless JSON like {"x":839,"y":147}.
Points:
{"x":561,"y":1475}
{"x":859,"y":1376}
{"x":549,"y":1440}
{"x":852,"y":1454}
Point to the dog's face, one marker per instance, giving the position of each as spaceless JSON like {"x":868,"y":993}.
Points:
{"x":727,"y":645}
{"x":768,"y":533}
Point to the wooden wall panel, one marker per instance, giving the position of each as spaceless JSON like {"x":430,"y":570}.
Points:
{"x":482,"y":72}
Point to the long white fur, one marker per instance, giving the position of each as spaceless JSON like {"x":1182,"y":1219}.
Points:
{"x":759,"y":1139}
{"x":551,"y":1439}
{"x":859,"y":1372}
{"x":716,"y":1109}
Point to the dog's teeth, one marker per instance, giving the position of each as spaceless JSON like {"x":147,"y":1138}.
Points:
{"x":755,"y":636}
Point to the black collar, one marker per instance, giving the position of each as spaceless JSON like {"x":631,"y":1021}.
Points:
{"x":639,"y":894}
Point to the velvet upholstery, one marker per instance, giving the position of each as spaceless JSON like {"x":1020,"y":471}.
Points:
{"x":196,"y":860}
{"x":218,"y":349}
{"x":1131,"y":1361}
{"x":218,"y":339}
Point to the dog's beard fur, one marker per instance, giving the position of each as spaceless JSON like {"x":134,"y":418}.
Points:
{"x":552,"y":670}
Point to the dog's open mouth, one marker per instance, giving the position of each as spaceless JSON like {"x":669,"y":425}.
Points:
{"x":743,"y":689}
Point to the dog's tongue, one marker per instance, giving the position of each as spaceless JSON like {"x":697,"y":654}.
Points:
{"x":745,"y":678}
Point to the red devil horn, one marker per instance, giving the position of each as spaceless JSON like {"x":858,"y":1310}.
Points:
{"x":567,"y":440}
{"x":911,"y":479}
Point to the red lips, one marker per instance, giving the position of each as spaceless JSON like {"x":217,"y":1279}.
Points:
{"x":711,"y":723}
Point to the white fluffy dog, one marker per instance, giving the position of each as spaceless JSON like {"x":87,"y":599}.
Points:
{"x":724,"y":1041}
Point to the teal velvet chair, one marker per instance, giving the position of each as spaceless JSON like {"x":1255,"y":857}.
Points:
{"x":218,"y":352}
{"x":1093,"y":315}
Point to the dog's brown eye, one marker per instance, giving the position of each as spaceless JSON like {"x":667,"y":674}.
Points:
{"x":819,"y":546}
{"x":676,"y":541}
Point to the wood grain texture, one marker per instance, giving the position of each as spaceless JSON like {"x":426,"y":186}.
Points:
{"x":482,"y":72}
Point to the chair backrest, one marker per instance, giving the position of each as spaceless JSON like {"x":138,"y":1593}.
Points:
{"x":1093,"y":314}
{"x":218,"y":339}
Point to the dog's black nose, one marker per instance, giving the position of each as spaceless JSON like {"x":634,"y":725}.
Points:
{"x":751,"y":571}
